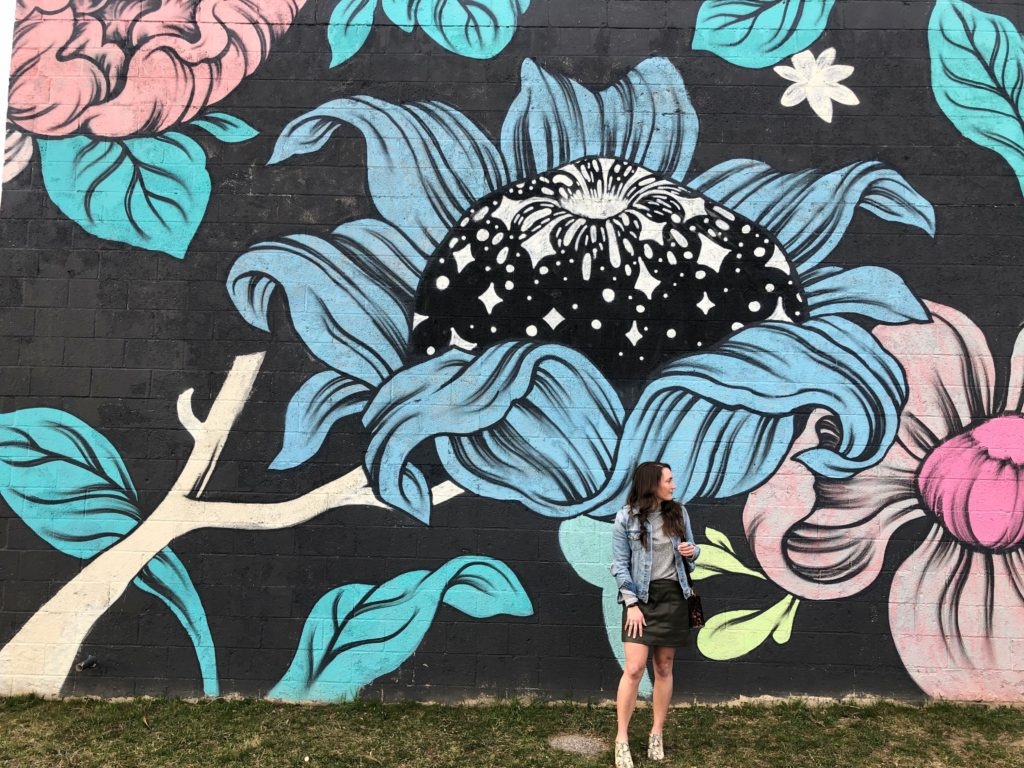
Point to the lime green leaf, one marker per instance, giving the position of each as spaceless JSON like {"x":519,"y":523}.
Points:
{"x":714,"y":561}
{"x":784,"y":630}
{"x":719,"y":539}
{"x":733,"y":634}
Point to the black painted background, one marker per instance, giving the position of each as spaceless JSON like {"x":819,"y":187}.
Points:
{"x":113,"y":335}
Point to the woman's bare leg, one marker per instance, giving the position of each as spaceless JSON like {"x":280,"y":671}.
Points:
{"x":663,"y":659}
{"x":632,"y":674}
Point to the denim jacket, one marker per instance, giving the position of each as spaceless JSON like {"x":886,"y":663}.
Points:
{"x":631,"y":563}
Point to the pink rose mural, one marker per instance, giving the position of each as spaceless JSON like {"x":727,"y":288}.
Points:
{"x":97,"y":87}
{"x":120,"y":68}
{"x":956,"y":605}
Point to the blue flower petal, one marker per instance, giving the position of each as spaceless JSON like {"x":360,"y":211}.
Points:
{"x":383,"y":254}
{"x":809,"y":212}
{"x":567,"y":420}
{"x":315,"y":407}
{"x":872,"y":292}
{"x":532,"y":423}
{"x":646,"y":118}
{"x":715,"y":452}
{"x":426,"y":162}
{"x":539,"y":425}
{"x":347,"y":317}
{"x":782,"y":369}
{"x":553,"y":121}
{"x":410,"y":408}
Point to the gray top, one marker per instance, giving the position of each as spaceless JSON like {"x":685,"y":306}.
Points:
{"x":663,"y":565}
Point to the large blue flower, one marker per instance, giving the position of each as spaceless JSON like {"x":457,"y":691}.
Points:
{"x":581,"y":177}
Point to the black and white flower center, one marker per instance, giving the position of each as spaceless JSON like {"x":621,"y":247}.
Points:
{"x":603,"y":256}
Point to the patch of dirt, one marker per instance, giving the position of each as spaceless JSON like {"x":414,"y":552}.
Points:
{"x":578,"y":744}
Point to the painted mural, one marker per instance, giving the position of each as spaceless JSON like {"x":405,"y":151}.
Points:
{"x":419,"y":323}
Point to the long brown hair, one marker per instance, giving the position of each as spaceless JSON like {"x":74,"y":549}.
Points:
{"x":643,"y":499}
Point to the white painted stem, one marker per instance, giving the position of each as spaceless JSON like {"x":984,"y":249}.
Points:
{"x":39,"y":657}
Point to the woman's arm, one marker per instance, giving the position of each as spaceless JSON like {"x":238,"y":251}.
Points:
{"x":622,"y":560}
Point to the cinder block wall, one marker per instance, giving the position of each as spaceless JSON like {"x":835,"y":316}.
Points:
{"x":331,"y":336}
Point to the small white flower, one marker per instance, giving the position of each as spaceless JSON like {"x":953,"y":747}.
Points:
{"x":818,"y":82}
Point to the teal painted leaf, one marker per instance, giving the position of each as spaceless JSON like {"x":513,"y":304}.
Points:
{"x":227,"y":128}
{"x":759,"y":33}
{"x":65,"y":481}
{"x":165,"y":577}
{"x":148,"y":192}
{"x":401,"y":13}
{"x":586,"y":546}
{"x":348,"y":28}
{"x":978,"y":77}
{"x":478,"y":29}
{"x":68,"y":483}
{"x":358,"y":632}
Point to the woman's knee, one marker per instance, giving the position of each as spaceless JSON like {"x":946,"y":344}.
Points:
{"x":662,"y":663}
{"x":634,"y":671}
{"x":662,"y":669}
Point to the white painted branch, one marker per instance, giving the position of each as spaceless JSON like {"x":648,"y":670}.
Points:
{"x":39,"y":657}
{"x":210,"y":435}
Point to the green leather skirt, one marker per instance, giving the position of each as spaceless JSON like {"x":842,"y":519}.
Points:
{"x":668,"y":620}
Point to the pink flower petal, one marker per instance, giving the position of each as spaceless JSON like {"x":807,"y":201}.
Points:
{"x":957,"y":618}
{"x":949,"y":371}
{"x":1015,"y":388}
{"x":823,"y":539}
{"x":18,"y":151}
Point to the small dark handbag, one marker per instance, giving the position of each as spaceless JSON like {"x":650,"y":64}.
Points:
{"x":693,"y":604}
{"x":695,"y":608}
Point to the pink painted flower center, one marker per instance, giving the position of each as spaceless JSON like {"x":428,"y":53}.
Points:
{"x":974,"y":484}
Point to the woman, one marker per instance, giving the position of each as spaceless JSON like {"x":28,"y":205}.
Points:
{"x":652,"y":548}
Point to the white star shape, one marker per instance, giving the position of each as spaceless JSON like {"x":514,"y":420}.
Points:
{"x":645,"y":281}
{"x":553,"y":318}
{"x":462,"y":257}
{"x":705,"y":305}
{"x":634,"y":335}
{"x":490,"y":298}
{"x":711,"y":253}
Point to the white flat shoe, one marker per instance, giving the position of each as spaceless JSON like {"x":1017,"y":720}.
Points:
{"x":655,"y":747}
{"x":623,"y":759}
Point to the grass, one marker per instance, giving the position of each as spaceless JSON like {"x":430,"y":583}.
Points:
{"x":260,"y":734}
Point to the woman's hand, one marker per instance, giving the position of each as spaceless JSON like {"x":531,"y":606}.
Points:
{"x":635,"y":622}
{"x":686,"y":549}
